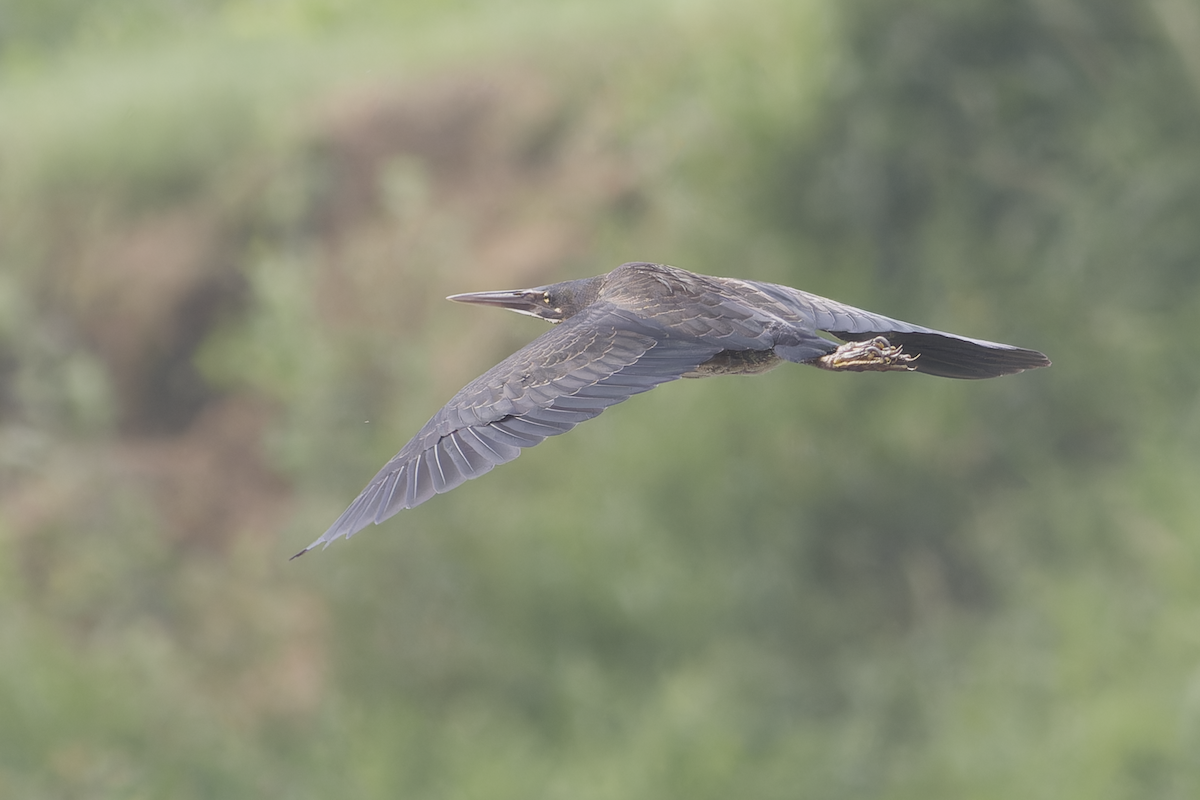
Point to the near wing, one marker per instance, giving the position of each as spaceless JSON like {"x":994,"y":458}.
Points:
{"x":570,"y":374}
{"x":939,"y":353}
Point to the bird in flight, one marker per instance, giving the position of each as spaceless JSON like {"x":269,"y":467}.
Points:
{"x":624,"y":333}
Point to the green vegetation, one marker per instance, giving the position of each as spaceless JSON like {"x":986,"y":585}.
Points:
{"x":225,"y":232}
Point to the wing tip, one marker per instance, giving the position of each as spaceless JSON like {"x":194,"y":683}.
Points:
{"x":302,"y":552}
{"x":325,"y":540}
{"x":352,"y":520}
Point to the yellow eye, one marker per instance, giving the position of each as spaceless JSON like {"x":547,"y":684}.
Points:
{"x":546,"y":298}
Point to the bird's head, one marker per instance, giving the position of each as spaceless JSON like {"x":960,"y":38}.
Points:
{"x":553,"y":303}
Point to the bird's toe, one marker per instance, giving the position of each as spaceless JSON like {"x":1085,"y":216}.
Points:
{"x":874,"y":355}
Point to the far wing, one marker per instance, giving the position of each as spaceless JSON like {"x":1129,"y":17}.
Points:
{"x":939,"y":353}
{"x":570,"y":374}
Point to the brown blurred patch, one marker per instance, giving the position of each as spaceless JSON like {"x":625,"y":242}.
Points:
{"x":520,"y":170}
{"x":212,"y":481}
{"x":144,"y":296}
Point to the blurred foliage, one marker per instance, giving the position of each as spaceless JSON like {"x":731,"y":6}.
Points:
{"x":225,"y":232}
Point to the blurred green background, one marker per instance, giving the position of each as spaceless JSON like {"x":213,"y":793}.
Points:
{"x":226,"y":229}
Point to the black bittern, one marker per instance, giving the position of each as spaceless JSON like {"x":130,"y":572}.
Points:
{"x":628,"y":331}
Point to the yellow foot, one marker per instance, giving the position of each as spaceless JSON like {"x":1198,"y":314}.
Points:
{"x":876,"y":355}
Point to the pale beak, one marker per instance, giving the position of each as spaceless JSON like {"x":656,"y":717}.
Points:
{"x":522,"y":301}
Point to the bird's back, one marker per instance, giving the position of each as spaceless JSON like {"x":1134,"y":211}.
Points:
{"x":732,"y":313}
{"x":752,"y":315}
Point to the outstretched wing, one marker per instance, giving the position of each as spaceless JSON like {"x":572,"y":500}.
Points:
{"x":939,"y":353}
{"x":595,"y":359}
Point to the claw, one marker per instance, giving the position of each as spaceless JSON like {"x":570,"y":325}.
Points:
{"x":876,"y":355}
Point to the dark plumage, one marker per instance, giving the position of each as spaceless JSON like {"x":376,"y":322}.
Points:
{"x":628,"y":331}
